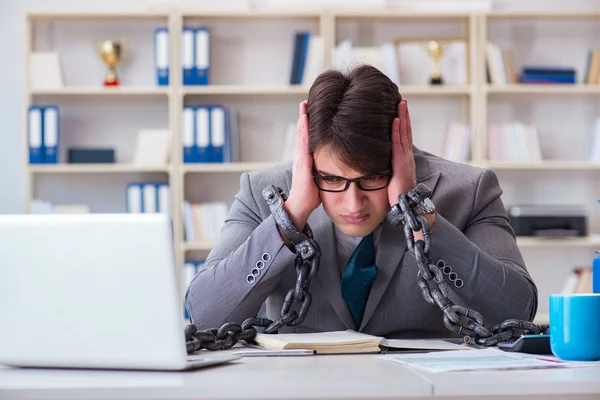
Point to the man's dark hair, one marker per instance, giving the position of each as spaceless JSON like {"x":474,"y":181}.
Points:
{"x":351,"y":113}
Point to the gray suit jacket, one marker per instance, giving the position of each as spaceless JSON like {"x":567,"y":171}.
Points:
{"x":471,"y":233}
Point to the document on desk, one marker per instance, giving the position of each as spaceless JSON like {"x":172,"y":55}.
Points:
{"x":478,"y":360}
{"x":425,"y":344}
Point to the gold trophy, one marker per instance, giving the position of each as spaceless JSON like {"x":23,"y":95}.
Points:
{"x":436,"y":49}
{"x":112,"y":52}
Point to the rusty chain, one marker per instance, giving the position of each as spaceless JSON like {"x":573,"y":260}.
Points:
{"x":434,"y":286}
{"x":308,"y":256}
{"x":431,"y":280}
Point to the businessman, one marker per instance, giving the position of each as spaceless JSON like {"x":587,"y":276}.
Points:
{"x":354,"y":158}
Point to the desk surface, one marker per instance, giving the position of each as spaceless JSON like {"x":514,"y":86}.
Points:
{"x":323,"y":377}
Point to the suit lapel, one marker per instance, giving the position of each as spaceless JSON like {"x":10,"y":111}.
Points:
{"x":392,"y":244}
{"x":328,"y":276}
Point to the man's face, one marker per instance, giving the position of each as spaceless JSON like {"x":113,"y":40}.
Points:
{"x":355,"y":212}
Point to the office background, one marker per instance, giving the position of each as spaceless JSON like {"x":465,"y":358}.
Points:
{"x":563,"y":117}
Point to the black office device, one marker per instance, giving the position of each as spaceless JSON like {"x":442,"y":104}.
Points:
{"x":93,"y":156}
{"x":548,"y":221}
{"x":532,"y":344}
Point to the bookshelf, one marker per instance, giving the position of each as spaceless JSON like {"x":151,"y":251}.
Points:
{"x":93,"y":115}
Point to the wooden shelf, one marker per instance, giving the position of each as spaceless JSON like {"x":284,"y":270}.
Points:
{"x":92,"y":168}
{"x":391,"y":13}
{"x":542,"y":89}
{"x":435,"y":90}
{"x":589,"y":241}
{"x":197,"y":246}
{"x":103,"y":91}
{"x":246,"y":90}
{"x":543,"y":166}
{"x":225,"y":167}
{"x":535,"y":14}
{"x":303,"y":90}
{"x":68,"y":16}
{"x":474,"y":97}
{"x":252,"y":14}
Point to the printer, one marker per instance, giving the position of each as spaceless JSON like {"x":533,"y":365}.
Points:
{"x":548,"y":220}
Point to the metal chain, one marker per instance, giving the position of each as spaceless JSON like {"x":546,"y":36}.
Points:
{"x":431,"y":280}
{"x":434,"y":286}
{"x":307,"y":265}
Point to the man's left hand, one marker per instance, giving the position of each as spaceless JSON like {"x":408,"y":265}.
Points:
{"x":404,"y":176}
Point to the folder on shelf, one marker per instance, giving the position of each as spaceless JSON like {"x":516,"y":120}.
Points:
{"x":301,"y":41}
{"x":150,"y":198}
{"x":188,"y":139}
{"x":134,"y":198}
{"x":201,"y":56}
{"x":190,"y":269}
{"x":231,"y":152}
{"x":188,"y":222}
{"x":35,"y":135}
{"x":164,"y":198}
{"x":161,"y":56}
{"x":50,"y":134}
{"x":187,"y":56}
{"x":218,"y":133}
{"x":202,"y":135}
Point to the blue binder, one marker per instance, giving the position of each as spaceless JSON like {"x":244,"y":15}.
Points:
{"x":189,"y":134}
{"x":50,"y":135}
{"x":202,"y":134}
{"x":188,"y":56}
{"x":35,"y":134}
{"x":201,"y":56}
{"x":136,"y":192}
{"x":161,"y":56}
{"x":303,"y":56}
{"x":133,"y":198}
{"x":218,"y":133}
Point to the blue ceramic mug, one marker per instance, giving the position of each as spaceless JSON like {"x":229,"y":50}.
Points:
{"x":575,"y":326}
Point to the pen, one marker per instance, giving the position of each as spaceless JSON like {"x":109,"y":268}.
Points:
{"x":267,"y":353}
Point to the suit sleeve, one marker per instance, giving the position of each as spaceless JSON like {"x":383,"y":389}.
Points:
{"x":486,"y":257}
{"x":242,"y":269}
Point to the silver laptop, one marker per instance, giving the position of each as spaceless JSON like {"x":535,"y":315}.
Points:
{"x":92,"y":291}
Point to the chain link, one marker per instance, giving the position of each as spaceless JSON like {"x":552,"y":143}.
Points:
{"x":308,"y":256}
{"x":433,"y":279}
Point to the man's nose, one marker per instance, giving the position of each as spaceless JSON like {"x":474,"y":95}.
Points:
{"x":354,"y":197}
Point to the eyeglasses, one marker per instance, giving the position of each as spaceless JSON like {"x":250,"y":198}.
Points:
{"x":332,"y":183}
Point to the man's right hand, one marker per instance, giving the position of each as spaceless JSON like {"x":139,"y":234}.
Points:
{"x":304,"y":194}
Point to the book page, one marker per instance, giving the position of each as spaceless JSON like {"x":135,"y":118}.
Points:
{"x":320,"y":338}
{"x":425,"y":344}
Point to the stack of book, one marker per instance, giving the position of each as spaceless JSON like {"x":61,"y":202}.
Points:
{"x":513,"y":142}
{"x":307,"y":58}
{"x":203,"y":221}
{"x":548,"y":75}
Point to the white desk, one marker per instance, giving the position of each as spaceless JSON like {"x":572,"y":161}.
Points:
{"x":318,"y":377}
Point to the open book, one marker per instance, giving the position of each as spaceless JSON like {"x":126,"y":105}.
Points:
{"x":345,"y":342}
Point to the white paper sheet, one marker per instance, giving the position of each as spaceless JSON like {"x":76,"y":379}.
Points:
{"x":485,"y":359}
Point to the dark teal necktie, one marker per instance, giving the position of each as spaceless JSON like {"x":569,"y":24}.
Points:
{"x":358,"y":277}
